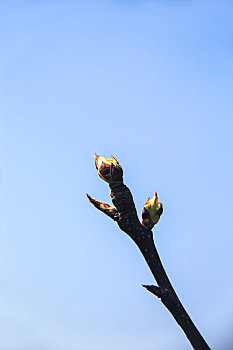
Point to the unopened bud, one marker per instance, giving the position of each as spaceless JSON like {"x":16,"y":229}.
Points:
{"x":109,"y":169}
{"x":151,"y":212}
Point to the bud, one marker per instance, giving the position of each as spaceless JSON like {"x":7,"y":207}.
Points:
{"x":151,"y":212}
{"x":105,"y":208}
{"x":109,"y":169}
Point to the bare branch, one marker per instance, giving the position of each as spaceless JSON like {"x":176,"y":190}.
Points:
{"x":124,"y":212}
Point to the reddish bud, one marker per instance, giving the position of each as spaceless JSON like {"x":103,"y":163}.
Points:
{"x":109,"y":169}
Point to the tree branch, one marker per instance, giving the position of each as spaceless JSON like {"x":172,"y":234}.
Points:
{"x":124,"y":212}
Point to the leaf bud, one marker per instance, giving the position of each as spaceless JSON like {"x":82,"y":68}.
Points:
{"x":109,"y":169}
{"x":151,"y":212}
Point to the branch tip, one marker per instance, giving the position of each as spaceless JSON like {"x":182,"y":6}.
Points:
{"x":154,"y":290}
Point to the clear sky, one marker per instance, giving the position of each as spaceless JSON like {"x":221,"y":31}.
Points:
{"x":150,"y":82}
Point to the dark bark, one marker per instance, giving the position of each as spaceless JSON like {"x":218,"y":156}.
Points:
{"x":126,"y":216}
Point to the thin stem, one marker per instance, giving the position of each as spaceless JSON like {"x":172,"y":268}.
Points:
{"x":169,"y":297}
{"x":124,"y":213}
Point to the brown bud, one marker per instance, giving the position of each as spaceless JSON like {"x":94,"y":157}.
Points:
{"x":109,"y":169}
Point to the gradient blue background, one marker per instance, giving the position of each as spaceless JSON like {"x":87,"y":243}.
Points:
{"x":151,"y":83}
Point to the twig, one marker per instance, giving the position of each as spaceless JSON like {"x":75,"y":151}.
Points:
{"x":124,"y":213}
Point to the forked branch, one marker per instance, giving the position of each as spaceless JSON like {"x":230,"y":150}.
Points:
{"x":125,"y":214}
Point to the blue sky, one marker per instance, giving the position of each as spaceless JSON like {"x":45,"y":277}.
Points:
{"x":149,"y":82}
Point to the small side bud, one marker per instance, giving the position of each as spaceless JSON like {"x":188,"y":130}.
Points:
{"x":105,"y":208}
{"x":151,"y":212}
{"x":109,"y":169}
